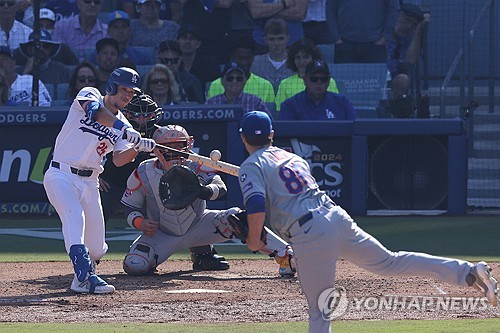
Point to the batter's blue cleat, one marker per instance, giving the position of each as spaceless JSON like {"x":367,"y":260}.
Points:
{"x":484,"y":282}
{"x":93,"y":284}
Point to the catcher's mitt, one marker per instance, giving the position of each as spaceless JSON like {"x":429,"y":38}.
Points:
{"x":239,"y":224}
{"x":179,"y":187}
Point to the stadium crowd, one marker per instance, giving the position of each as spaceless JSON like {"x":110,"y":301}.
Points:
{"x":183,"y":48}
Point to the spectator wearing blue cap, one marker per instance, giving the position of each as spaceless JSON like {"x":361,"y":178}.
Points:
{"x":49,"y":70}
{"x":315,"y":102}
{"x":120,"y":30}
{"x":12,"y":32}
{"x":21,"y":86}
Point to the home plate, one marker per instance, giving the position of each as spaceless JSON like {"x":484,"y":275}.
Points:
{"x":196,"y":291}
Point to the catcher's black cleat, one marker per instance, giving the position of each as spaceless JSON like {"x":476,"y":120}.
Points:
{"x":209,"y":262}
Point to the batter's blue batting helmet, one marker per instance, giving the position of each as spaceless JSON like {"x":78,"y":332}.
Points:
{"x":123,"y":76}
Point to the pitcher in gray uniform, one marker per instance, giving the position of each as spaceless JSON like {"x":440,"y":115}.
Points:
{"x":278,"y":186}
{"x":168,"y":231}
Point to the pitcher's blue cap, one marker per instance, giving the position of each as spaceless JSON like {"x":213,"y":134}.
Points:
{"x":256,"y":123}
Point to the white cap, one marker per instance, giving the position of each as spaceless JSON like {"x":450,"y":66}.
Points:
{"x":46,"y":13}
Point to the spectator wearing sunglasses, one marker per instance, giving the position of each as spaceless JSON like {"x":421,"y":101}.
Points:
{"x":315,"y":102}
{"x":50,"y":71}
{"x":160,"y":84}
{"x":84,"y":75}
{"x":300,"y":54}
{"x":233,"y":80}
{"x":242,"y":53}
{"x":190,"y":90}
{"x":83,"y":30}
{"x":12,"y":32}
{"x":149,"y":30}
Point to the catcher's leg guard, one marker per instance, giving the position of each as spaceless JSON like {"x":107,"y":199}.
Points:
{"x":282,"y":253}
{"x":140,"y":260}
{"x":285,"y":259}
{"x":205,"y":258}
{"x":85,"y":279}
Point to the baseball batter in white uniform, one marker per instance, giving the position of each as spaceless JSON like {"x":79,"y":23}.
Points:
{"x":168,"y":231}
{"x":94,"y":126}
{"x":278,"y":186}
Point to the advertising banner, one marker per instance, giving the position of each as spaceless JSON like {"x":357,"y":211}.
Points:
{"x":27,"y":139}
{"x":330,"y":163}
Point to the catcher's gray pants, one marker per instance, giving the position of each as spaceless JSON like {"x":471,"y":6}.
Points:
{"x":201,"y":233}
{"x":331,"y":234}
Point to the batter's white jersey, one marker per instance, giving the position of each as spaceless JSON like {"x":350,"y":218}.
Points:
{"x":83,"y":142}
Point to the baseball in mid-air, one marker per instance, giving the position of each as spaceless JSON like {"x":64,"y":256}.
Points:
{"x":215,"y":155}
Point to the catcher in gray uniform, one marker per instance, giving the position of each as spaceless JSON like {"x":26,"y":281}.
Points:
{"x":278,"y":185}
{"x":170,"y":221}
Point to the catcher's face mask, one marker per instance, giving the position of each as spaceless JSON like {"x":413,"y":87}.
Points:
{"x":143,"y":113}
{"x":173,"y":136}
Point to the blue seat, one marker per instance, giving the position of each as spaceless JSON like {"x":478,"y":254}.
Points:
{"x":328,"y":52}
{"x":51,"y":89}
{"x":148,"y":52}
{"x":363,"y":84}
{"x":143,"y":70}
{"x":61,"y":90}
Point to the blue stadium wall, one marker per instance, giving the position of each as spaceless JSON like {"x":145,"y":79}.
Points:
{"x":368,"y":164}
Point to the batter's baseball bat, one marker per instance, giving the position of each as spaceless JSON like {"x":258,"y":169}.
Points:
{"x":225,"y":167}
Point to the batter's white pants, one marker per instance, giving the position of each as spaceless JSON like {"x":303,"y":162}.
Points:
{"x":77,"y":201}
{"x":332,"y":234}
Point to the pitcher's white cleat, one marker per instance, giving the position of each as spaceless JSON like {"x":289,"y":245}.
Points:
{"x":485,"y":282}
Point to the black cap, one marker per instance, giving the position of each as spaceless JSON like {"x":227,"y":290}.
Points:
{"x":107,"y":41}
{"x":188,"y":29}
{"x":171,"y":45}
{"x":232,"y":66}
{"x":413,"y":11}
{"x":317,"y":66}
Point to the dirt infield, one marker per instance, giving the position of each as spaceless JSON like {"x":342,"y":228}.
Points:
{"x":249,"y":291}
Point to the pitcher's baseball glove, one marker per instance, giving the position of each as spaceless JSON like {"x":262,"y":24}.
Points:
{"x":179,"y":187}
{"x":239,"y":224}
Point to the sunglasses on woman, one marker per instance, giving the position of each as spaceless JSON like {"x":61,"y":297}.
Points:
{"x":89,"y":79}
{"x":158,"y":81}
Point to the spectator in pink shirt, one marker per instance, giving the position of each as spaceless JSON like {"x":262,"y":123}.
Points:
{"x":82,"y":31}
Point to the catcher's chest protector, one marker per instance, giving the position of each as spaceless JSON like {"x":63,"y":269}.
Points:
{"x":172,"y":222}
